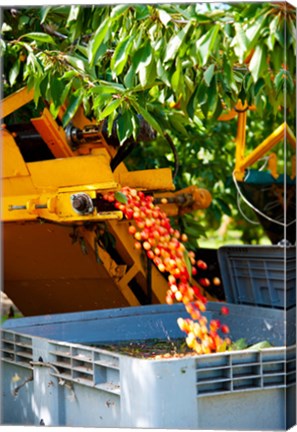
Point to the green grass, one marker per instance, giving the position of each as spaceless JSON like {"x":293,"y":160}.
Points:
{"x":213,"y":241}
{"x":5,"y":317}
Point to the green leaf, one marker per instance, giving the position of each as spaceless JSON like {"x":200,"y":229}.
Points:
{"x":39,"y":37}
{"x":43,"y":13}
{"x":260,"y":345}
{"x":5,"y":28}
{"x":212,"y":96}
{"x":147,"y":74}
{"x":177,"y":78}
{"x":97,"y":40}
{"x":14,"y":72}
{"x":36,"y":90}
{"x":147,"y":116}
{"x":73,"y":14}
{"x":224,"y":206}
{"x":121,"y":197}
{"x":56,"y":88}
{"x":272,"y":30}
{"x":176,"y":120}
{"x":206,"y":43}
{"x":238,"y":345}
{"x":111,"y":107}
{"x":104,"y":90}
{"x":76,"y":62}
{"x":240,"y":42}
{"x":110,"y":121}
{"x":192,"y":103}
{"x":118,"y":11}
{"x":175,"y":42}
{"x":74,"y":103}
{"x":120,"y":56}
{"x":66,"y":92}
{"x":165,"y":18}
{"x":188,"y":262}
{"x":208,"y":74}
{"x":54,"y":110}
{"x":162,"y":73}
{"x":258,"y":62}
{"x":142,"y":12}
{"x":129,"y":79}
{"x":124,"y":126}
{"x":142,"y":57}
{"x":253,"y":31}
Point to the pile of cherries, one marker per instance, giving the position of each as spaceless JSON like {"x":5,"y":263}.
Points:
{"x":164,"y":245}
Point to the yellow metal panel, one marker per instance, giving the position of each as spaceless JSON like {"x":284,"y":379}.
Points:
{"x":52,"y":134}
{"x":15,"y":101}
{"x":290,"y":136}
{"x":114,"y":270}
{"x":155,"y":179}
{"x":264,"y":147}
{"x":71,"y":171}
{"x":240,"y":144}
{"x":125,"y":247}
{"x":46,"y":273}
{"x":13,"y":164}
{"x":272,"y":165}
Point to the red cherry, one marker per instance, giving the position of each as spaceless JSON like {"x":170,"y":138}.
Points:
{"x":132,"y":229}
{"x":137,"y":245}
{"x":224,"y":310}
{"x":201,"y":264}
{"x":225,"y":328}
{"x":150,"y":254}
{"x":204,"y":282}
{"x":146,"y":245}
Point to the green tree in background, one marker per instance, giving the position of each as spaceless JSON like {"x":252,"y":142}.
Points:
{"x":177,"y":65}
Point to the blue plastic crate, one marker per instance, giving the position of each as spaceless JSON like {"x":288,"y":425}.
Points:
{"x":53,"y":374}
{"x":259,"y":275}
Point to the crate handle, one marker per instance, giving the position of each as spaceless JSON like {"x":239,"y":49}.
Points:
{"x":57,"y":374}
{"x":16,"y":390}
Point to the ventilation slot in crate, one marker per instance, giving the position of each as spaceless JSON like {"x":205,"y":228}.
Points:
{"x":16,"y":349}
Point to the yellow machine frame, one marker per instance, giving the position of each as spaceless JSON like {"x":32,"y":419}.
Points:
{"x":242,"y":162}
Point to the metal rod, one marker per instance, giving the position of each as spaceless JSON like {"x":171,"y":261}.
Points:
{"x":182,"y":199}
{"x":24,"y":207}
{"x":16,"y":207}
{"x":41,"y":206}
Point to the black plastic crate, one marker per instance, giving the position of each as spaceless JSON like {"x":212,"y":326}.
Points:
{"x":259,"y":275}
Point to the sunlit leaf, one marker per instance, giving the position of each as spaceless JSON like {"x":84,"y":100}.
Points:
{"x":165,"y":18}
{"x":121,"y":197}
{"x":120,"y":56}
{"x":208,"y":74}
{"x":258,"y":62}
{"x":14,"y":72}
{"x":97,"y":40}
{"x":74,"y":103}
{"x":175,"y":43}
{"x":206,"y":43}
{"x":111,"y":107}
{"x":39,"y":37}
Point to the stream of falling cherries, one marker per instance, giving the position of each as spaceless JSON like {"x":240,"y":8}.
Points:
{"x":164,"y":245}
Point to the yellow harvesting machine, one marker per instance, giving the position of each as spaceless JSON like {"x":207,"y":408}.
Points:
{"x":53,"y":217}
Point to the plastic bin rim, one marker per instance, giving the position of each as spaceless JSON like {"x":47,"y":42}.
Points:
{"x":189,"y":358}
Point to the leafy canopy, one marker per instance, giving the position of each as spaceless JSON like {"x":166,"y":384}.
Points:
{"x":178,"y":65}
